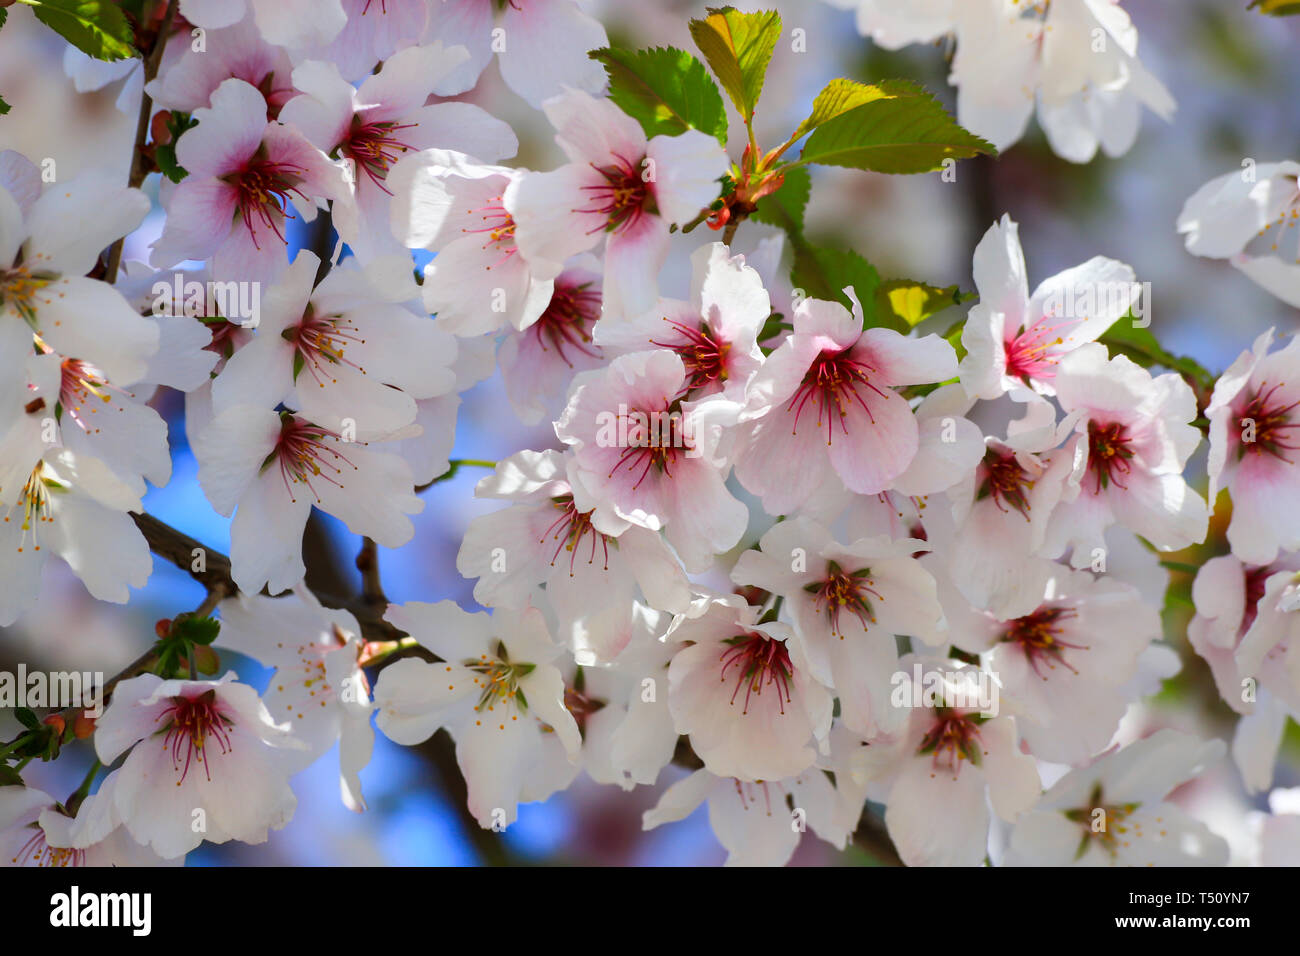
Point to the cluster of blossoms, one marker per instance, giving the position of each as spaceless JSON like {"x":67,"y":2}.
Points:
{"x":1074,"y":61}
{"x":842,"y":564}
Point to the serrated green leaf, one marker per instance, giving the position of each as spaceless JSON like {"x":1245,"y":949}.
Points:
{"x":97,"y":28}
{"x":892,"y":127}
{"x":913,"y":302}
{"x":738,"y":46}
{"x":666,"y":90}
{"x":4,"y":15}
{"x":195,"y":630}
{"x":837,"y":97}
{"x":4,"y":107}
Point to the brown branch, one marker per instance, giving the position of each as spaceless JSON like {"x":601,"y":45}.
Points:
{"x":138,"y":169}
{"x":179,"y":548}
{"x":372,"y":588}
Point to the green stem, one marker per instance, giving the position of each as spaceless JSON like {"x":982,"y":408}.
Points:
{"x":14,"y":744}
{"x":455,"y":465}
{"x":73,"y":803}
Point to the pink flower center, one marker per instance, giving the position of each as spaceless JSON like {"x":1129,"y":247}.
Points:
{"x":1039,"y":636}
{"x":1109,"y":453}
{"x":844,"y":591}
{"x":320,"y":341}
{"x":81,"y":387}
{"x":498,"y":228}
{"x":654,"y":442}
{"x":374,"y":147}
{"x":622,"y":197}
{"x":1266,"y":420}
{"x":1255,"y":584}
{"x":1005,"y":480}
{"x":36,"y":852}
{"x":567,"y":321}
{"x":570,"y":528}
{"x":305,"y":457}
{"x":703,"y":353}
{"x":262,"y":190}
{"x":188,"y":722}
{"x":581,"y":706}
{"x":760,"y":662}
{"x":952,"y":738}
{"x":1029,"y":354}
{"x":833,"y":382}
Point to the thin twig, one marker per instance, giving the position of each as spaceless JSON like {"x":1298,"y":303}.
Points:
{"x":372,"y":588}
{"x":138,"y":170}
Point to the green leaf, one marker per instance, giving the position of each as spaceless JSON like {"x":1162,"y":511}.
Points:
{"x":27,"y":717}
{"x":9,"y":777}
{"x":892,"y":127}
{"x":4,"y":107}
{"x":1277,"y":8}
{"x":666,"y":90}
{"x":785,"y":207}
{"x":738,"y":47}
{"x":824,"y":274}
{"x":953,"y":338}
{"x":165,"y":157}
{"x":97,"y":28}
{"x":913,"y":302}
{"x":1137,"y":343}
{"x":164,"y":154}
{"x":195,"y":630}
{"x":4,"y":15}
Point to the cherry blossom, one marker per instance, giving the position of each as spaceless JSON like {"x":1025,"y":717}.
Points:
{"x":273,"y":467}
{"x":616,"y":184}
{"x":643,"y":458}
{"x":1246,"y":217}
{"x":743,"y":692}
{"x":543,"y":45}
{"x":1133,"y":436}
{"x":195,"y":747}
{"x":827,"y":395}
{"x":1116,"y":812}
{"x":36,"y":830}
{"x":1012,"y":339}
{"x":318,"y":689}
{"x":372,"y":126}
{"x":1253,"y":415}
{"x":499,"y":695}
{"x":246,"y":172}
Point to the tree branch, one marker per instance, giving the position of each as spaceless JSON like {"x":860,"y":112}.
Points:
{"x":138,"y":170}
{"x":180,"y":549}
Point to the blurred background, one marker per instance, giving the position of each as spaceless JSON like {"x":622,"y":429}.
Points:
{"x":1236,"y":78}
